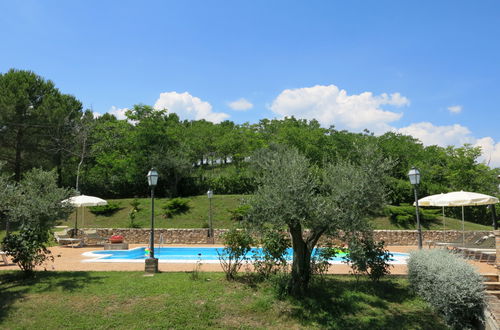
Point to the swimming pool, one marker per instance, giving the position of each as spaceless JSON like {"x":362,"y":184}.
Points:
{"x":190,"y":255}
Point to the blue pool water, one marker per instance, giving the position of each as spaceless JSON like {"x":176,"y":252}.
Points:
{"x":187,"y":255}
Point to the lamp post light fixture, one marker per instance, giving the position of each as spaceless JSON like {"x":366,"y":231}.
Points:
{"x":151,"y":265}
{"x":210,"y":195}
{"x":414,"y":176}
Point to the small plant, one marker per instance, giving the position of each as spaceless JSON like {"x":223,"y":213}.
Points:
{"x":367,"y":257}
{"x":237,"y":244}
{"x":239,"y":213}
{"x":131,"y":215}
{"x":272,"y":259}
{"x":135,"y":205}
{"x":176,"y":206}
{"x":449,"y":284}
{"x":105,"y":210}
{"x":320,"y":261}
{"x":195,"y":274}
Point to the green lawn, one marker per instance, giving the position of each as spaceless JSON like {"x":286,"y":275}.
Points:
{"x":451,"y":224}
{"x":196,"y":217}
{"x":104,"y":300}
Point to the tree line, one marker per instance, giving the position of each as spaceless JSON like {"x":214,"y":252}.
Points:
{"x":41,"y":127}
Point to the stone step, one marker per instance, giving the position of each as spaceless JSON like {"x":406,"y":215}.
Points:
{"x":490,"y":277}
{"x":493,"y":292}
{"x":492,"y":285}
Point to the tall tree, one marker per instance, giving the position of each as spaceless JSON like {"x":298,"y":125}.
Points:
{"x":22,"y":94}
{"x":36,"y":122}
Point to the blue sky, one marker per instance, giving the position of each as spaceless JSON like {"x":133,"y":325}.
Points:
{"x":426,"y":68}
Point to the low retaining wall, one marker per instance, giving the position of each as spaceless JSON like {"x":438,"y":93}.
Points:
{"x":200,"y":235}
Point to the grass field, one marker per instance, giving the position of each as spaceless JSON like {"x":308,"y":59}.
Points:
{"x":197,"y":216}
{"x":104,"y":300}
{"x":451,"y":224}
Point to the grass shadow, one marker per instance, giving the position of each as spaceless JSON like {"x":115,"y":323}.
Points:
{"x":343,"y":303}
{"x":15,"y":285}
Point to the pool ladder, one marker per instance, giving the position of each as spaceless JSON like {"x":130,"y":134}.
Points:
{"x":161,"y":241}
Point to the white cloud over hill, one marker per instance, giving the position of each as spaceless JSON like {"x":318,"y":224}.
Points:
{"x":118,"y":112}
{"x":188,"y":107}
{"x":333,"y":106}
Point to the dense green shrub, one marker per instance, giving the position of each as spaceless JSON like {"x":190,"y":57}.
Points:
{"x":239,"y":213}
{"x":368,"y":257}
{"x":272,"y":259}
{"x":237,"y":244}
{"x":404,"y":215}
{"x":28,"y":248}
{"x":106,"y":210}
{"x":176,"y":206}
{"x":449,"y":284}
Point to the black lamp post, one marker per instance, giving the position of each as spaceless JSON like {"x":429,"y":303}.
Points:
{"x":210,"y":195}
{"x":414,"y":176}
{"x":152,"y":262}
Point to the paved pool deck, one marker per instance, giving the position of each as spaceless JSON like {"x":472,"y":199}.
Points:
{"x":72,"y":259}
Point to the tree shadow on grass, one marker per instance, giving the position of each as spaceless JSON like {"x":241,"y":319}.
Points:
{"x":15,"y":285}
{"x":337,"y":303}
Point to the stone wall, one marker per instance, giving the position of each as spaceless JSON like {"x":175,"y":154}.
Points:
{"x":200,"y":235}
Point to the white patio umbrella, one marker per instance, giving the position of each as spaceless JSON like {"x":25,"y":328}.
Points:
{"x":82,"y":201}
{"x":435,"y":200}
{"x":462,"y":198}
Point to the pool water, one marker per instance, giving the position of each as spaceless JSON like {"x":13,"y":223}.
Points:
{"x":192,"y":255}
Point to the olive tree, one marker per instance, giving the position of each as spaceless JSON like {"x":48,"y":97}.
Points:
{"x":35,"y":205}
{"x":312,"y":201}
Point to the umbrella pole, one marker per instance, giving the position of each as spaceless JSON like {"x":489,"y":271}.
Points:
{"x":494,"y":216}
{"x":463,"y":227}
{"x":444,"y":226}
{"x":76,"y":222}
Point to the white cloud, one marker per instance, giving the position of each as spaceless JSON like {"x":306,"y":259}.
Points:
{"x":331,"y":106}
{"x":119,"y":113}
{"x":96,"y":114}
{"x":491,"y":151}
{"x":240,"y":105}
{"x":456,"y":135}
{"x":188,"y":107}
{"x":455,"y":109}
{"x":438,"y":135}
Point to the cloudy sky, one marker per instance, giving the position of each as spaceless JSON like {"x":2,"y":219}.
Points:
{"x":430,"y":69}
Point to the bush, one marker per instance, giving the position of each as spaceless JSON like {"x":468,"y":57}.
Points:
{"x":367,"y":257}
{"x":405,"y":215}
{"x":105,"y":210}
{"x":237,"y":244}
{"x":176,"y":206}
{"x":272,"y":259}
{"x":450,"y":285}
{"x":239,"y":213}
{"x":320,"y":261}
{"x":28,"y":248}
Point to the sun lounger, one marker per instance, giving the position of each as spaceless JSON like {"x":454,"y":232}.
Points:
{"x":4,"y":257}
{"x":93,"y":236}
{"x":63,"y":238}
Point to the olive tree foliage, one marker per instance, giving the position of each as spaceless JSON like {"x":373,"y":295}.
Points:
{"x":312,"y":201}
{"x":34,"y":204}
